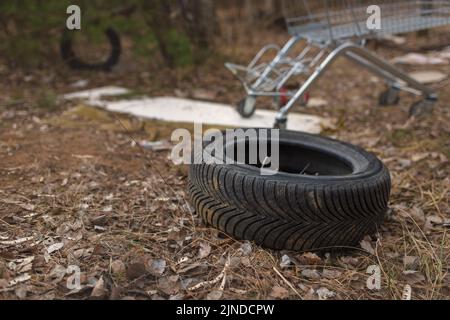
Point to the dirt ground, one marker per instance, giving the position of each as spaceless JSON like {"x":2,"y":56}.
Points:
{"x":77,"y":192}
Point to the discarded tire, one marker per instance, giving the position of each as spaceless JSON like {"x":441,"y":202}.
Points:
{"x":69,"y":56}
{"x":327,"y":194}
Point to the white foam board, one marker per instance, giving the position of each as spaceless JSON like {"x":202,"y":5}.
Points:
{"x":172,"y":109}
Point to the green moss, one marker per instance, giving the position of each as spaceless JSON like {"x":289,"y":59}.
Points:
{"x":47,"y":100}
{"x":179,"y":47}
{"x":145,"y":45}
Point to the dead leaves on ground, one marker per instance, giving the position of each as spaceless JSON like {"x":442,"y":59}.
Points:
{"x":87,"y":198}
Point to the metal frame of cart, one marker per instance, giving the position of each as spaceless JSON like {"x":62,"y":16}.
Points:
{"x":322,"y":31}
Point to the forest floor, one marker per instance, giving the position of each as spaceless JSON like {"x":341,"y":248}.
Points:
{"x":75,"y":190}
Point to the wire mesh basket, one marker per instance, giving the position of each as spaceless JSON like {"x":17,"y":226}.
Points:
{"x":330,"y":20}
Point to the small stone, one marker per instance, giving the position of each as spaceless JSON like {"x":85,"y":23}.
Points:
{"x":157,"y":267}
{"x":312,"y":274}
{"x":246,"y":248}
{"x":117,"y":267}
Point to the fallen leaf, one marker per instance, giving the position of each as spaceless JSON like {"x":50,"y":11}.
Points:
{"x":413,"y":277}
{"x":367,"y":246}
{"x":419,"y":156}
{"x":55,"y":247}
{"x":118,"y":267}
{"x":177,"y":297}
{"x":25,"y":264}
{"x":311,"y":274}
{"x":78,"y":224}
{"x":4,"y":283}
{"x":204,"y":250}
{"x":350,"y":261}
{"x":99,"y":220}
{"x":115,"y":293}
{"x":99,"y":228}
{"x":12,"y":266}
{"x":404,"y":163}
{"x":325,"y":294}
{"x":58,"y":273}
{"x":25,"y":206}
{"x":22,"y":278}
{"x":99,"y":290}
{"x":99,"y":250}
{"x":188,"y":283}
{"x":169,"y":285}
{"x":431,"y":221}
{"x":285,"y":261}
{"x":417,"y":214}
{"x":21,"y":291}
{"x":246,"y":261}
{"x":279,"y":293}
{"x":246,"y":248}
{"x":331,"y":274}
{"x":135,"y":270}
{"x":214,"y":295}
{"x":234,"y":262}
{"x":107,"y":209}
{"x":309,"y":259}
{"x":410,"y":262}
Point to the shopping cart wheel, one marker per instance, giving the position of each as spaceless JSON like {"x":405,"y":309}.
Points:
{"x":423,"y":107}
{"x":247,"y":106}
{"x":389,"y":97}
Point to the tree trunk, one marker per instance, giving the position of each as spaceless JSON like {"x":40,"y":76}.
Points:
{"x":200,"y":21}
{"x":159,"y":21}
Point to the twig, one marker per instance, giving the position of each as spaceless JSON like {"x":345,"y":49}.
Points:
{"x":17,"y":241}
{"x":219,"y":277}
{"x":288,"y":283}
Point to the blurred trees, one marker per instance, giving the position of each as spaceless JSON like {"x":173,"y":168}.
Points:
{"x":200,"y":21}
{"x":159,"y":13}
{"x":24,"y":32}
{"x":182,"y":31}
{"x":30,"y":30}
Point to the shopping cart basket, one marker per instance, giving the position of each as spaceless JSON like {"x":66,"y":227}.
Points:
{"x":323,"y":30}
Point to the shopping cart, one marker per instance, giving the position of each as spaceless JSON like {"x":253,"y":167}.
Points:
{"x":323,"y":30}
